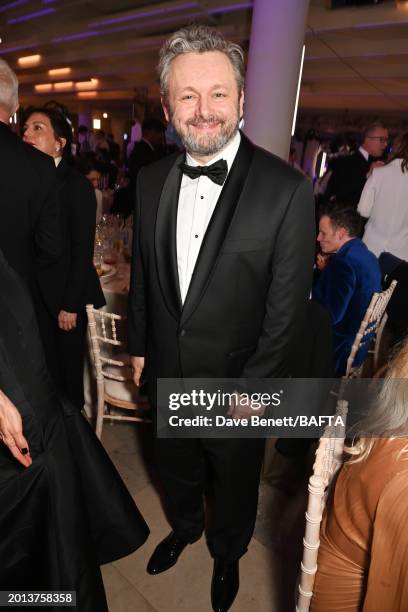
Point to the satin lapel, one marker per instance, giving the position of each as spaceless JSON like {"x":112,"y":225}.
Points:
{"x":165,"y":239}
{"x":218,"y":226}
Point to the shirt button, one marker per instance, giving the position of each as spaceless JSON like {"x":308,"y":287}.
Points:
{"x":183,"y":332}
{"x":196,"y":236}
{"x":202,"y":197}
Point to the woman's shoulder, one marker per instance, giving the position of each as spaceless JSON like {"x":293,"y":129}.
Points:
{"x":393,"y":501}
{"x":392,"y":167}
{"x":392,"y":446}
{"x":382,"y":176}
{"x":388,"y":457}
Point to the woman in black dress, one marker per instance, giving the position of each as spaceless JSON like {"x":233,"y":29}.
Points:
{"x":63,"y":508}
{"x":73,"y":282}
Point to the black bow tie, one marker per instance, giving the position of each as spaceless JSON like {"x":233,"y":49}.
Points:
{"x":217,"y":172}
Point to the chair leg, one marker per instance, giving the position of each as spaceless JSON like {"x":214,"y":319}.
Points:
{"x":99,"y":423}
{"x":99,"y":415}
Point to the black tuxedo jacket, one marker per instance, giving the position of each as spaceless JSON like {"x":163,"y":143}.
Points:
{"x":141,"y":155}
{"x":348,"y":178}
{"x":251,"y":280}
{"x":73,"y":281}
{"x":30,"y":224}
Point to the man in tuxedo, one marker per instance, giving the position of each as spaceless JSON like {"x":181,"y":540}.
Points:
{"x":350,"y":173}
{"x":349,"y":277}
{"x":30,"y":229}
{"x":149,"y":149}
{"x":222,"y":267}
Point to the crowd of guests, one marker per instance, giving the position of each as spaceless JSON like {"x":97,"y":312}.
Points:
{"x":362,"y":236}
{"x":102,"y":161}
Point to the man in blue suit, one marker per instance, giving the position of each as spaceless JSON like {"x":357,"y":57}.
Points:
{"x":350,"y":274}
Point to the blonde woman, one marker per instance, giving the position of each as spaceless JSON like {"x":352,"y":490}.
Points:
{"x":363,"y":555}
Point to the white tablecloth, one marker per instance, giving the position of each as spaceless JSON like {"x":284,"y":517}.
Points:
{"x":116,"y":290}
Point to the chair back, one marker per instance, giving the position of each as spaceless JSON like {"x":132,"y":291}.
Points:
{"x":329,"y":457}
{"x":103,"y":330}
{"x":113,"y":371}
{"x":370,"y":330}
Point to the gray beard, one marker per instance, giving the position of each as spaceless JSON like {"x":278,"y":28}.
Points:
{"x":211,"y":145}
{"x":207,"y":145}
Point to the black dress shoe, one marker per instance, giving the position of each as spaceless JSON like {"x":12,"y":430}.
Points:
{"x":225,"y":585}
{"x":166,"y":554}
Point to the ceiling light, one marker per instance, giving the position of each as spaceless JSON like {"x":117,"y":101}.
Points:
{"x":323,"y":164}
{"x":298,"y":90}
{"x":31,"y":16}
{"x":29,"y":60}
{"x":105,"y":115}
{"x":64,"y":85}
{"x":11,"y":5}
{"x":43,"y":87}
{"x":96,"y":123}
{"x":60,"y":39}
{"x":56,"y":72}
{"x":87,"y":94}
{"x":87,"y":84}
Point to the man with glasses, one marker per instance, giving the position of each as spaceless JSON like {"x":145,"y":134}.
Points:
{"x":350,"y":173}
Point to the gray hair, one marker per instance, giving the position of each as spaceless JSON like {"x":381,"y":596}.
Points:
{"x":199,"y":39}
{"x":8,"y":88}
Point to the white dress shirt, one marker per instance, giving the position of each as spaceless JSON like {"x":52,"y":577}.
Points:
{"x":364,"y":153}
{"x":384,"y":202}
{"x":197,"y":201}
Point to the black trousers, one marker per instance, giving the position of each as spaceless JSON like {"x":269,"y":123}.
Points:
{"x":64,"y":352}
{"x":229,"y":470}
{"x":71,"y":348}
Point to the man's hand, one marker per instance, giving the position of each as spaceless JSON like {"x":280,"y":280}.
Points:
{"x":67,"y":320}
{"x":240,"y":409}
{"x":321,"y":261}
{"x":11,"y":431}
{"x":138,"y":364}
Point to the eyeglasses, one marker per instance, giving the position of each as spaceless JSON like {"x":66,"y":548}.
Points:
{"x":380,"y":138}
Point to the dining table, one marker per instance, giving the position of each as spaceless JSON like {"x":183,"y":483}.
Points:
{"x":116,"y":289}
